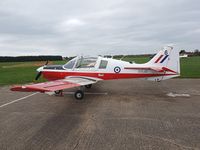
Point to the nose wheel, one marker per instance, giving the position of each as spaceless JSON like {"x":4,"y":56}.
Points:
{"x":79,"y":94}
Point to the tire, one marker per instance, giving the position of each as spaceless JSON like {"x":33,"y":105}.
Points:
{"x":88,"y":86}
{"x":79,"y":95}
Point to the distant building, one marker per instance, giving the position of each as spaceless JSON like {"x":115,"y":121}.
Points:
{"x":183,"y":55}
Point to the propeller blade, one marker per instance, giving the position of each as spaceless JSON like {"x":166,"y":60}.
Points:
{"x":47,"y":62}
{"x":38,"y":75}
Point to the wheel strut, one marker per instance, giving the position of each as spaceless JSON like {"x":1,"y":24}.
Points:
{"x":88,"y":86}
{"x":60,"y":92}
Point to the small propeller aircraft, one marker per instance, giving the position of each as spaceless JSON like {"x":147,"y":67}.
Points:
{"x":84,"y":71}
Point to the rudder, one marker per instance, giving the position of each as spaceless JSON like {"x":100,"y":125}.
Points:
{"x":168,"y":60}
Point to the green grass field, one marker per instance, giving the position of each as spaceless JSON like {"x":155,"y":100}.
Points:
{"x":190,"y":67}
{"x":25,"y":72}
{"x":20,"y":72}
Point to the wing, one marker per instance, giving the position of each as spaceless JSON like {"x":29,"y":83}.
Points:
{"x":56,"y":85}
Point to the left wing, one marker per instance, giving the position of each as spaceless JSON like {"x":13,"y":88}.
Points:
{"x":56,"y":85}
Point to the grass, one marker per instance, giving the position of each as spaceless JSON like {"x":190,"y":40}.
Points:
{"x":138,"y":60}
{"x":25,"y":72}
{"x":20,"y":72}
{"x":190,"y":67}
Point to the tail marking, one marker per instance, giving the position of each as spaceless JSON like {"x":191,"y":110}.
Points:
{"x":164,"y":58}
{"x":158,"y":59}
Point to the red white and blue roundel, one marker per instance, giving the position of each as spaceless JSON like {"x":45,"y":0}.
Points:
{"x":117,"y":69}
{"x":162,"y":58}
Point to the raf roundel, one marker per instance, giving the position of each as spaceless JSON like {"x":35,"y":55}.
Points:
{"x":117,"y":69}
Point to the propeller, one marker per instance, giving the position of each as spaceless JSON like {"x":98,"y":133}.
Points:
{"x":38,"y":75}
{"x":46,"y":63}
{"x":40,"y":72}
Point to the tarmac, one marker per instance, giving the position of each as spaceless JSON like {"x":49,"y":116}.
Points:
{"x":118,"y":115}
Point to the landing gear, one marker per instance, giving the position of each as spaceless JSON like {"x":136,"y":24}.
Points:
{"x":60,"y":92}
{"x":79,"y":95}
{"x":88,"y":86}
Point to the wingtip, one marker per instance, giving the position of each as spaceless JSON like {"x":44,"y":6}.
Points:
{"x":15,"y":88}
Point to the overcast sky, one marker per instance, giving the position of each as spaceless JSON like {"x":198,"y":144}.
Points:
{"x":92,"y":27}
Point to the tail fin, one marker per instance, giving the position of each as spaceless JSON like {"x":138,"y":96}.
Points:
{"x":167,"y":59}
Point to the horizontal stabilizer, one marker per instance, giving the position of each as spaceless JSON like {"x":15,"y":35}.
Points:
{"x":156,"y":69}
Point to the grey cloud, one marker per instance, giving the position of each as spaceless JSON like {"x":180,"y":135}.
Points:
{"x":71,"y":27}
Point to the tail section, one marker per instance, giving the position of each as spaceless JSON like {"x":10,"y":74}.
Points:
{"x":167,"y":60}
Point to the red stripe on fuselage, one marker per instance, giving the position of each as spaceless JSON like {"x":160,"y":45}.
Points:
{"x":159,"y":58}
{"x":50,"y":75}
{"x":167,"y":69}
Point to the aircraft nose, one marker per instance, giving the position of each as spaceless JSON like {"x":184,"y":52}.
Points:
{"x":40,"y":69}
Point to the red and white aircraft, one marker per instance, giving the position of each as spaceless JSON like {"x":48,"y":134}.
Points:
{"x":85,"y":71}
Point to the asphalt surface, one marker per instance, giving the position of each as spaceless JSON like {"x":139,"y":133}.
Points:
{"x":122,"y":114}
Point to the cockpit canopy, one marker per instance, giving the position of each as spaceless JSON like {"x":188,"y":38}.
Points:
{"x":81,"y":62}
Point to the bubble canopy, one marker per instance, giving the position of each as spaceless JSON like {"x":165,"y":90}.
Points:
{"x":81,"y":62}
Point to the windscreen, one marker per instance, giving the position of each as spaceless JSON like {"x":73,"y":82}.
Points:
{"x":88,"y":62}
{"x":70,"y":64}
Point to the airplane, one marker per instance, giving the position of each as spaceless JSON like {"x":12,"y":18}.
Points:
{"x":83,"y":72}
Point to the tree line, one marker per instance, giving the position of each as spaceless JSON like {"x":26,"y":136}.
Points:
{"x":29,"y":58}
{"x":196,"y":52}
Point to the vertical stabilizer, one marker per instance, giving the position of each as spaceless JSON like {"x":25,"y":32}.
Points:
{"x":168,"y":60}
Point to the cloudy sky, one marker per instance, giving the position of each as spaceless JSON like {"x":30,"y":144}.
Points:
{"x":92,"y":27}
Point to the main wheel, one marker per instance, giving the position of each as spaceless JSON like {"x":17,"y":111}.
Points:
{"x":88,"y":86}
{"x":79,"y":95}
